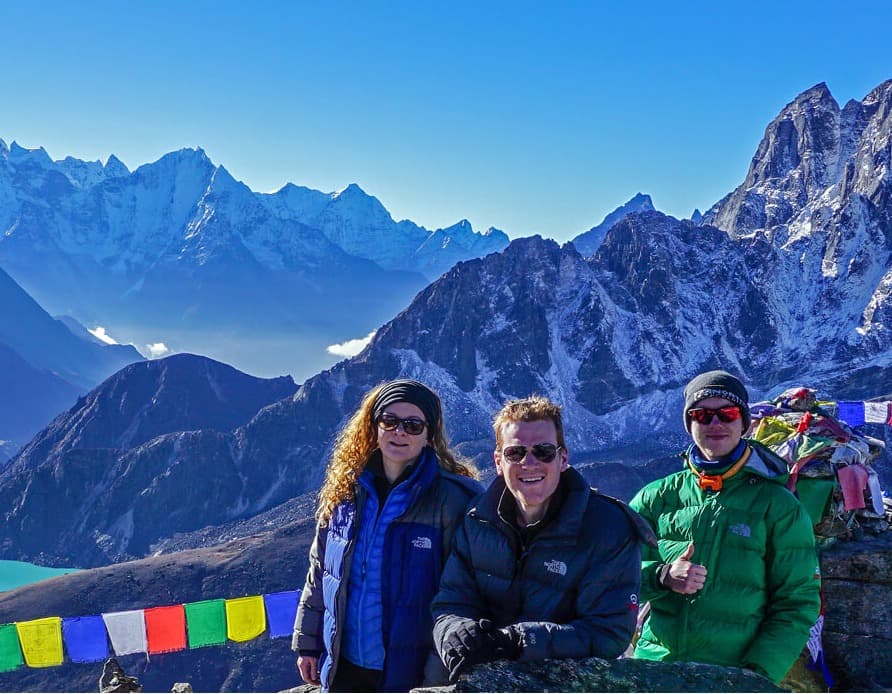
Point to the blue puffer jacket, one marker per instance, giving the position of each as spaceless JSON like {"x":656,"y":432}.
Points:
{"x":381,"y":575}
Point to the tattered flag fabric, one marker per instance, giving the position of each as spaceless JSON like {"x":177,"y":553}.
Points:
{"x":10,"y":650}
{"x":166,"y":629}
{"x":41,"y":641}
{"x":127,"y":631}
{"x":281,"y":609}
{"x":876,"y":493}
{"x":245,"y":618}
{"x":876,"y":412}
{"x":85,"y":638}
{"x":206,"y":623}
{"x":853,"y":482}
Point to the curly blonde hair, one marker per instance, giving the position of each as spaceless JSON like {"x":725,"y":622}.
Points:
{"x":358,"y":440}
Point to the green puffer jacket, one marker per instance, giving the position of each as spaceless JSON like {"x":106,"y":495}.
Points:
{"x":761,"y":595}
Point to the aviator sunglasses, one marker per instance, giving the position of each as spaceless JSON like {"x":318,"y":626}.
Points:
{"x":543,"y":452}
{"x":411,"y":425}
{"x":704,"y":415}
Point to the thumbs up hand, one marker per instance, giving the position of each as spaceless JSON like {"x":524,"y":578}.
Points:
{"x":684,"y":576}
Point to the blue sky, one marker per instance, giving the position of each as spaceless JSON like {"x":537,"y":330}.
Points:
{"x":530,"y":117}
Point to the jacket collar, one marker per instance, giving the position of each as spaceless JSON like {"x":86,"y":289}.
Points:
{"x":762,"y":462}
{"x":568,"y":520}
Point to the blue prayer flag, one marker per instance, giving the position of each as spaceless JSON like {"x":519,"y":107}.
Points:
{"x":281,"y":609}
{"x":85,"y":638}
{"x":852,"y":413}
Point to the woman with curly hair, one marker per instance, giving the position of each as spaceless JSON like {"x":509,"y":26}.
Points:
{"x":392,"y":497}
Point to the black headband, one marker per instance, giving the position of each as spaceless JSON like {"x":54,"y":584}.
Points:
{"x":418,"y":394}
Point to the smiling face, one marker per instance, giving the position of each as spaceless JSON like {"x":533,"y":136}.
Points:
{"x":399,"y":449}
{"x":531,"y":482}
{"x":717,"y":438}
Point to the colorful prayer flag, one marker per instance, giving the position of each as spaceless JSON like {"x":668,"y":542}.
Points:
{"x":281,"y":609}
{"x":876,"y":412}
{"x":166,"y":629}
{"x":41,"y":641}
{"x":206,"y":623}
{"x":10,"y":650}
{"x":852,"y":413}
{"x":127,"y":631}
{"x":85,"y":638}
{"x":245,"y":618}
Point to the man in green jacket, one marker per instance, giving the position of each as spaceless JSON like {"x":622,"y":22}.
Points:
{"x":734,"y":579}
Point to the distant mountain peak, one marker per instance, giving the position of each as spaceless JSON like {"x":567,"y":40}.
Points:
{"x":811,"y":160}
{"x":17,"y":153}
{"x":115,"y":167}
{"x":4,"y":149}
{"x":587,"y":242}
{"x":351,"y":190}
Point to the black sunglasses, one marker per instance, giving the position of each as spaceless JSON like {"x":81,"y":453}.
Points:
{"x":411,"y":425}
{"x":704,"y":415}
{"x":543,"y":452}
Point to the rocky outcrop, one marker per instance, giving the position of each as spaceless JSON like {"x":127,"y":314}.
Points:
{"x":597,"y":675}
{"x":857,"y":583}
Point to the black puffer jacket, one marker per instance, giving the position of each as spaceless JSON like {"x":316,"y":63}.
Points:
{"x":573,"y":592}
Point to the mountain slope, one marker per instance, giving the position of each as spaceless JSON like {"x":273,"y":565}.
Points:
{"x":48,"y":344}
{"x":29,"y":398}
{"x":43,"y":365}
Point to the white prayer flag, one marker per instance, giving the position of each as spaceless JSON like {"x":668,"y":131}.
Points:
{"x":127,"y":631}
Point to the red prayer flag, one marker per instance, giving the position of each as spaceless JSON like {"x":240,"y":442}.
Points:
{"x":166,"y":629}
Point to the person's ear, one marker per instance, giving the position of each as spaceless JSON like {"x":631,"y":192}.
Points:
{"x":498,"y":461}
{"x":565,"y":458}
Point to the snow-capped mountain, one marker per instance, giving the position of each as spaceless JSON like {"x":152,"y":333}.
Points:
{"x":613,"y":337}
{"x":359,"y":224}
{"x":588,"y":241}
{"x":178,"y":250}
{"x":819,"y":191}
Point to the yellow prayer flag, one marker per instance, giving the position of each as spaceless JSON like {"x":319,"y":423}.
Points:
{"x":41,"y":641}
{"x":245,"y":618}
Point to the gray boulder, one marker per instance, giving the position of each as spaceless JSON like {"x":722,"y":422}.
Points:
{"x":598,"y":675}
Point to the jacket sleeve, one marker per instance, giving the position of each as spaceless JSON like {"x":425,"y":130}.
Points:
{"x":794,"y":601}
{"x":307,"y":636}
{"x":645,"y":502}
{"x":606,"y":605}
{"x":458,"y":601}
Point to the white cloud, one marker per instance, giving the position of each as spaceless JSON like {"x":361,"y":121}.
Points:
{"x":99,"y":333}
{"x":350,"y":348}
{"x":158,"y":349}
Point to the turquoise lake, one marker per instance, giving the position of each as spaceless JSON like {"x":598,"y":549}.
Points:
{"x":19,"y":573}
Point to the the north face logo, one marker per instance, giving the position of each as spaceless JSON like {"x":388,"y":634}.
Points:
{"x":422,"y":543}
{"x":741,"y":529}
{"x":556,"y":567}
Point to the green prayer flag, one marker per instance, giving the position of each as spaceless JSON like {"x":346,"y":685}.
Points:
{"x":814,"y":493}
{"x":10,"y":650}
{"x":206,"y":623}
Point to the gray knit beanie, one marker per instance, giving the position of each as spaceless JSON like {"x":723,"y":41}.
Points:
{"x":716,"y":384}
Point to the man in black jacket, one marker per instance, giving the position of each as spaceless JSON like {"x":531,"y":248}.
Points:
{"x":542,"y":566}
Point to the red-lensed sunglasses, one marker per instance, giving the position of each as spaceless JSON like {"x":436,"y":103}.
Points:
{"x":704,"y":415}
